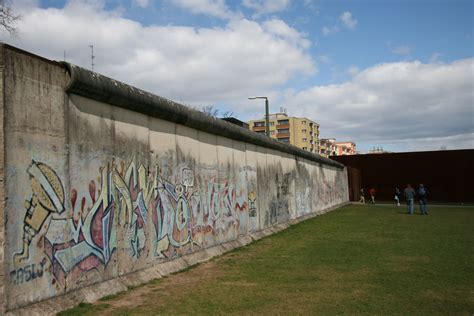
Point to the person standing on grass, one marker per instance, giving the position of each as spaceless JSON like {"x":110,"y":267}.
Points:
{"x":422,"y":194}
{"x":410,"y":196}
{"x":372,"y":195}
{"x":362,"y":197}
{"x":397,"y":196}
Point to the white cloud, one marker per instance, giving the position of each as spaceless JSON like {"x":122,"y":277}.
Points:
{"x":328,"y":30}
{"x":266,"y":6}
{"x":198,"y":66}
{"x":353,"y":70}
{"x":435,"y":57}
{"x":216,"y":8}
{"x":402,"y":50}
{"x":347,"y":20}
{"x":325,"y":59}
{"x":312,"y":6}
{"x":281,"y":29}
{"x":141,"y":3}
{"x":423,"y":105}
{"x":461,"y":141}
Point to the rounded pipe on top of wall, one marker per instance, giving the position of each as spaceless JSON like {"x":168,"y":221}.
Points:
{"x":101,"y":88}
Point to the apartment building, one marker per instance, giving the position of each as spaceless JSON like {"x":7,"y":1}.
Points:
{"x":346,"y":148}
{"x":300,"y":132}
{"x":329,"y":147}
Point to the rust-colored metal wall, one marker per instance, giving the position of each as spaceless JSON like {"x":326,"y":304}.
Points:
{"x":448,"y":174}
{"x":353,"y":177}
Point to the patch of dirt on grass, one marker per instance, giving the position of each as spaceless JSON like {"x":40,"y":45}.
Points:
{"x":156,"y":292}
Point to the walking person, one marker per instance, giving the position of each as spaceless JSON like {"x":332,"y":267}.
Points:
{"x":372,"y":195}
{"x":362,"y":197}
{"x":397,"y":196}
{"x":422,"y":197}
{"x":410,"y":196}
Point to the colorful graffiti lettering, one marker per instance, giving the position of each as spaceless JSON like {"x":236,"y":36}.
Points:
{"x":135,"y":210}
{"x":83,"y":236}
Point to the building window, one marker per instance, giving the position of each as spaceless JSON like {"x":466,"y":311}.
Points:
{"x":305,"y":140}
{"x":260,"y":132}
{"x":305,"y":148}
{"x":272,"y":133}
{"x":303,"y":130}
{"x":284,"y":140}
{"x":259,"y":124}
{"x":284,"y":130}
{"x":303,"y":122}
{"x":283,"y":122}
{"x":272,"y":123}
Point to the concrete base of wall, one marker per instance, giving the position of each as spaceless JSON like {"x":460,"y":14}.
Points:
{"x":94,"y":292}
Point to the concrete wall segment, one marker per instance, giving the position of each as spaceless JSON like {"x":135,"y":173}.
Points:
{"x":2,"y":183}
{"x":34,"y":131}
{"x":112,"y":190}
{"x":95,"y":86}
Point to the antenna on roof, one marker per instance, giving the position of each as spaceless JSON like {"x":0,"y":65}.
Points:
{"x":92,"y":57}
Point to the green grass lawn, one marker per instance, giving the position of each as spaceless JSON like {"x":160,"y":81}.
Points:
{"x":360,"y":259}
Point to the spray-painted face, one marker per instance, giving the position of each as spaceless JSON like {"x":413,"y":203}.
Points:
{"x":47,"y":197}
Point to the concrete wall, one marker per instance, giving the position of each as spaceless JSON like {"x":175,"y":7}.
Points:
{"x":93,"y":188}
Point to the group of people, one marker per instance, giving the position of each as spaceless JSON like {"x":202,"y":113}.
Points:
{"x":372,"y":195}
{"x":409,"y":193}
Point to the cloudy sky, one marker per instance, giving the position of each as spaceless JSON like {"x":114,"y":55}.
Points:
{"x":392,"y":74}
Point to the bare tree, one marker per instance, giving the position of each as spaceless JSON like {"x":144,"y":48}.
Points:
{"x":8,"y":18}
{"x":227,"y":114}
{"x":210,"y":110}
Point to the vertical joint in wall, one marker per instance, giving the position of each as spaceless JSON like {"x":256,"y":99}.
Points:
{"x":2,"y":182}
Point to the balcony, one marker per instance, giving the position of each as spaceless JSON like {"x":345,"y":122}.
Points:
{"x":258,"y":128}
{"x":283,"y":126}
{"x":283,"y":135}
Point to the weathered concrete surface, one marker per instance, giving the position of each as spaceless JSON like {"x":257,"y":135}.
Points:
{"x":122,"y":187}
{"x":94,"y":292}
{"x":2,"y":186}
{"x":95,"y":86}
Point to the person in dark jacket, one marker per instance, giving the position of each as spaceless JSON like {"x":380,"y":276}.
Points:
{"x":410,"y":196}
{"x":422,"y":194}
{"x":362,"y":196}
{"x":398,"y":195}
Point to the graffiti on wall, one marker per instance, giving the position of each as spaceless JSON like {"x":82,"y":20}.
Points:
{"x":133,"y":210}
{"x":279,"y":204}
{"x":82,"y":235}
{"x":28,"y":272}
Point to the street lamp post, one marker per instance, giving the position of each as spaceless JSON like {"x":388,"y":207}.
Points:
{"x":267,"y":115}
